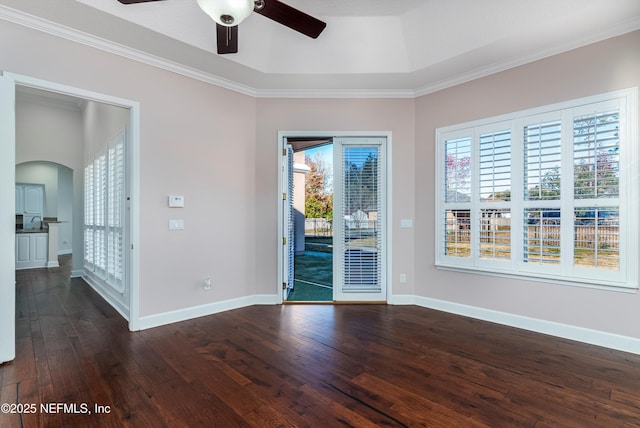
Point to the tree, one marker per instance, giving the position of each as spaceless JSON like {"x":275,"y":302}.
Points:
{"x":458,"y":177}
{"x":361,"y":184}
{"x":318,"y":195}
{"x":549,"y":187}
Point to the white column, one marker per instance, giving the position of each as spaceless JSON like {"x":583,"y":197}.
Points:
{"x":52,"y":260}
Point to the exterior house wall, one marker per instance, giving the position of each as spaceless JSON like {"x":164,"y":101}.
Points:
{"x":299,"y":199}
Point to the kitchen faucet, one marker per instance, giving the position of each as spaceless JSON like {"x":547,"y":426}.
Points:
{"x":37,"y":217}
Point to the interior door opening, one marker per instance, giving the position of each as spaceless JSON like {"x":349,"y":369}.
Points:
{"x":83,"y":114}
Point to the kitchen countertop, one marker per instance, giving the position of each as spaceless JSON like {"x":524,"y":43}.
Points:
{"x":19,"y":231}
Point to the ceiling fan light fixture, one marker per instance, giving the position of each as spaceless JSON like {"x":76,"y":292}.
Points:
{"x":227,"y":12}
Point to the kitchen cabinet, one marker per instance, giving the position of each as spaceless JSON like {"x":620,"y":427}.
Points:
{"x":31,"y":250}
{"x":33,"y":199}
{"x":19,"y":199}
{"x":30,"y":203}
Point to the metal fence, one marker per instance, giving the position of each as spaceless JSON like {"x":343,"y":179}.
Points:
{"x":318,"y":227}
{"x":586,"y":236}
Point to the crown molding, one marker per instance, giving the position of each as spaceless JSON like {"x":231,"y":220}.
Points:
{"x":623,"y":28}
{"x":335,"y":93}
{"x":68,"y":33}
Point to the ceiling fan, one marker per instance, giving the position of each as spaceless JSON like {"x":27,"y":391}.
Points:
{"x":229,"y":13}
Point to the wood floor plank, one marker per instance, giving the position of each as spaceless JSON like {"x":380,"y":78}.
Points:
{"x":302,"y":366}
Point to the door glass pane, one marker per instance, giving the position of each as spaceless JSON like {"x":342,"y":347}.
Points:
{"x":362,"y":218}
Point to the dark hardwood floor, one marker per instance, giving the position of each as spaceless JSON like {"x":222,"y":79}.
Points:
{"x":297,"y":366}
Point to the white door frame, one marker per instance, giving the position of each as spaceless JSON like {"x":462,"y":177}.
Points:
{"x":282,"y":141}
{"x":7,"y":221}
{"x":133,"y":160}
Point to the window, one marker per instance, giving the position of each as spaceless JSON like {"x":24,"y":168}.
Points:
{"x":104,"y":213}
{"x":549,"y":193}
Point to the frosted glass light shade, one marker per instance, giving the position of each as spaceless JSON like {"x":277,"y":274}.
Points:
{"x":227,"y":12}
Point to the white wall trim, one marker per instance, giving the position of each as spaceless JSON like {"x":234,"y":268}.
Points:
{"x":204,"y":310}
{"x":77,"y":274}
{"x":107,"y":296}
{"x":335,"y":93}
{"x":68,"y":33}
{"x":580,"y":334}
{"x":622,"y":28}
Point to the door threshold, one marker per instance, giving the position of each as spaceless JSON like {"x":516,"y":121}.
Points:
{"x":332,"y":302}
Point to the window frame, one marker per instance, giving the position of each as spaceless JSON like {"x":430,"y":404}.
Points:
{"x":566,"y":271}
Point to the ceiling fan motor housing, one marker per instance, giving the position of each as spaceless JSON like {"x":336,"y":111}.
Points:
{"x":227,"y":12}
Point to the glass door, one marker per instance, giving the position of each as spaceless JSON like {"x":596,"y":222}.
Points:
{"x":359,"y":219}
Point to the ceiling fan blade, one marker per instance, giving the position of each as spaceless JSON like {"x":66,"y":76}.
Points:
{"x":135,"y":1}
{"x":227,"y":39}
{"x":291,"y":17}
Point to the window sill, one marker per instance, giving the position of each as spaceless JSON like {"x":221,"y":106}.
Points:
{"x":573,"y":282}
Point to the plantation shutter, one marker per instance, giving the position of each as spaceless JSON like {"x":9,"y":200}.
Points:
{"x":363,"y":218}
{"x":290,"y":218}
{"x":104,"y":207}
{"x":456,"y":215}
{"x":542,"y":193}
{"x":495,"y":195}
{"x":89,"y":210}
{"x":596,"y":182}
{"x":100,"y":186}
{"x":115,"y":213}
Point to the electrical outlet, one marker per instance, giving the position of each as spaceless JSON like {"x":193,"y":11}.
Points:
{"x":207,"y":284}
{"x":403,"y":278}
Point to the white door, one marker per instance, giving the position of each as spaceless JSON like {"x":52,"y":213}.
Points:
{"x":7,"y":224}
{"x":360,"y":217}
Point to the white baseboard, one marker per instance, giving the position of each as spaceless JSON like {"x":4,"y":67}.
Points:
{"x":580,"y":334}
{"x":63,"y":252}
{"x":77,"y":273}
{"x":122,"y":308}
{"x":53,"y":264}
{"x":204,"y":310}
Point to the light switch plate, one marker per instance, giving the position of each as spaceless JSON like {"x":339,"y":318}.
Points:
{"x":176,"y":224}
{"x":176,"y":201}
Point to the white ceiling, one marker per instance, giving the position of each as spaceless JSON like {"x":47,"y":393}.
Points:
{"x":369,"y":46}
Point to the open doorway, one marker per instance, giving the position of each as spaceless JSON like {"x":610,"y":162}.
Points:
{"x":310,"y":202}
{"x":18,"y":123}
{"x":333,"y":217}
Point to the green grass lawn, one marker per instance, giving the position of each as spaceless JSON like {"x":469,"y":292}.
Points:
{"x":313,"y":276}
